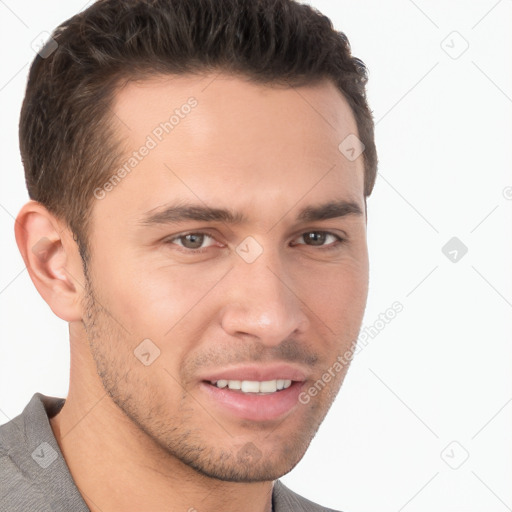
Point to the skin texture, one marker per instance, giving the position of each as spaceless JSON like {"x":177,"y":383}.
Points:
{"x":266,"y":152}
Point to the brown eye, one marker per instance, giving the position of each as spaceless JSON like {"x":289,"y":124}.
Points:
{"x":318,"y":239}
{"x":315,"y":237}
{"x":191,"y":242}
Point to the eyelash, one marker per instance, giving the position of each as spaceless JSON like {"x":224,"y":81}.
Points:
{"x":330,"y":247}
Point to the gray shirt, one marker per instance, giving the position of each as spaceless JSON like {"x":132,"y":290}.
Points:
{"x":34,"y":476}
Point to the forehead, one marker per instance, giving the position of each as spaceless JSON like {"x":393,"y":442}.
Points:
{"x":223,"y":138}
{"x":232,"y":108}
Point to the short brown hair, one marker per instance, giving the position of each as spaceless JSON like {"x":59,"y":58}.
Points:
{"x":67,"y":145}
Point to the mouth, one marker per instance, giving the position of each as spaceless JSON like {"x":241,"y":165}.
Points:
{"x":263,"y":393}
{"x":264,"y":387}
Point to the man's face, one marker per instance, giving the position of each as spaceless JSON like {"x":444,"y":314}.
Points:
{"x":273,"y":298}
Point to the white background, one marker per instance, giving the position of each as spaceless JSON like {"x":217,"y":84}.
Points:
{"x":441,"y":371}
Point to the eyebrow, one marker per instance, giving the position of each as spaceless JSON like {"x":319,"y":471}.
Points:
{"x":177,"y":213}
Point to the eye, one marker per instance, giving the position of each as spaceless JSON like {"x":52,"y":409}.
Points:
{"x":318,"y":239}
{"x":192,"y":242}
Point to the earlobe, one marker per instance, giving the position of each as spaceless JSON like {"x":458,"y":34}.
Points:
{"x":52,"y":259}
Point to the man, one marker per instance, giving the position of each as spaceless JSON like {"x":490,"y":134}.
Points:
{"x":198,"y":173}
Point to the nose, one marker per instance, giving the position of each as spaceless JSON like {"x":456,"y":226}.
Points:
{"x":262,"y":303}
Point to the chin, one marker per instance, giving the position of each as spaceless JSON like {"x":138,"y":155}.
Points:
{"x":248,"y":462}
{"x":263,"y":471}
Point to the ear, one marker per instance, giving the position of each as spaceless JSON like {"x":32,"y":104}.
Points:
{"x":52,"y":259}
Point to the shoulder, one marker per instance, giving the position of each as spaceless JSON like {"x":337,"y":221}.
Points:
{"x":15,"y":469}
{"x":30,"y":426}
{"x":285,"y":500}
{"x":32,"y":470}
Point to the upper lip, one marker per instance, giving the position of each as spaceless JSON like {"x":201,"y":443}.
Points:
{"x":260,"y":372}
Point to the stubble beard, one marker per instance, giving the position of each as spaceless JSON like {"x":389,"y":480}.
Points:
{"x":270,"y":453}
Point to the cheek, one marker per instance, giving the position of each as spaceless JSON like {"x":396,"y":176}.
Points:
{"x":149,"y":296}
{"x":335,"y":300}
{"x":336,"y":289}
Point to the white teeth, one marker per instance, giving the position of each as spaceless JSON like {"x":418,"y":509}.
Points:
{"x":254,"y":386}
{"x":234,"y":384}
{"x":268,"y":386}
{"x":250,"y":386}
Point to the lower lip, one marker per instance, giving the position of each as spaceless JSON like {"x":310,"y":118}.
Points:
{"x":254,"y":407}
